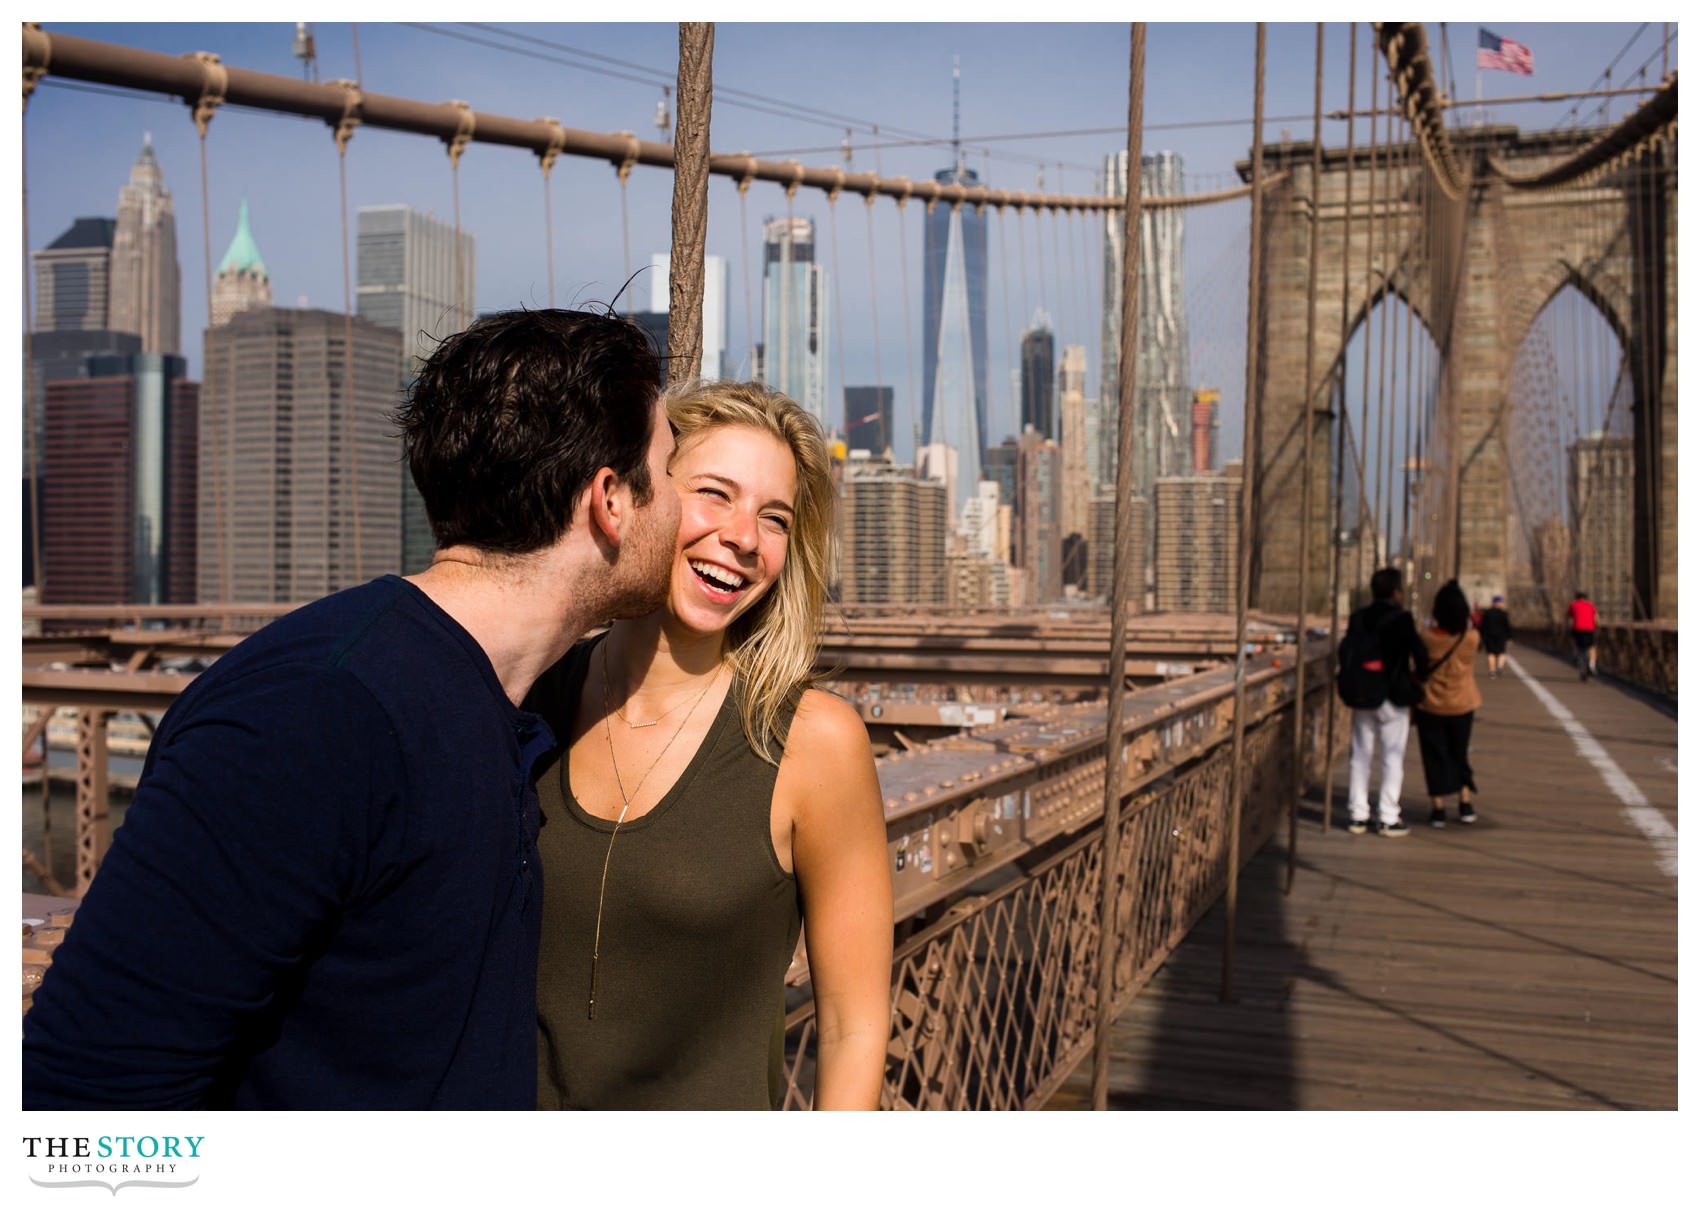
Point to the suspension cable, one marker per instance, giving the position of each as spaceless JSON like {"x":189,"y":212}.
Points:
{"x":33,"y":455}
{"x":837,"y":313}
{"x":1338,"y":519}
{"x":744,"y":266}
{"x":908,"y":329}
{"x":546,"y":162}
{"x":1249,"y":477}
{"x":874,"y":306}
{"x":212,"y":95}
{"x":1307,"y":418}
{"x":344,"y":132}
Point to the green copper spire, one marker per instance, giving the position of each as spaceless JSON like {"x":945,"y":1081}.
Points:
{"x":243,"y":255}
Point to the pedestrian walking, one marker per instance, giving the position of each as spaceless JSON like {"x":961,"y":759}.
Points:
{"x":1582,"y":623}
{"x":1496,"y":634}
{"x":1382,"y":664}
{"x":1448,"y":707}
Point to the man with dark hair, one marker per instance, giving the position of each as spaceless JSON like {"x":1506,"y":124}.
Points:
{"x":326,"y":892}
{"x":1495,"y":627}
{"x":1583,"y":620}
{"x":1382,"y":662}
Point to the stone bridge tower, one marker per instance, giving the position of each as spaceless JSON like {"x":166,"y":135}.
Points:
{"x":1477,"y":273}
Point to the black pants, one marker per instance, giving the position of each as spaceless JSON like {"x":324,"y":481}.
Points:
{"x":1445,"y":744}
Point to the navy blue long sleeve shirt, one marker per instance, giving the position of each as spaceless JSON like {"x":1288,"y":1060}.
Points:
{"x":325,"y":892}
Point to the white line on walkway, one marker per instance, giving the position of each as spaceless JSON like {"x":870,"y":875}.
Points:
{"x":1648,"y":819}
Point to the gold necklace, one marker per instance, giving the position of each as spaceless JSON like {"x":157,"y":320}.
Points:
{"x":625,"y":806}
{"x":663,"y":715}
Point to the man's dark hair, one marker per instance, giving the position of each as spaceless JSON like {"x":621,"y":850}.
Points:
{"x":509,"y":420}
{"x":1452,"y":609}
{"x":1580,"y":596}
{"x":1385,"y":583}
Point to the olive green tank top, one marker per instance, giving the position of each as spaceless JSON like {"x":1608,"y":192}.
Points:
{"x":699,"y":923}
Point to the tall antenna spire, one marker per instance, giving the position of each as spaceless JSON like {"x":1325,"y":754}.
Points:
{"x":956,"y":111}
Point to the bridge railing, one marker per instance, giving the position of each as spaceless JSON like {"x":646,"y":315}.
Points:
{"x":994,"y":998}
{"x":996,"y":843}
{"x":1643,"y":654}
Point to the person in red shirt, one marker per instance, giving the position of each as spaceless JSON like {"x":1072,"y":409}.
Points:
{"x":1582,"y":634}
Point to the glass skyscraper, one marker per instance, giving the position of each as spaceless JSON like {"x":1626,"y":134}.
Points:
{"x":413,"y":277}
{"x":953,"y":337}
{"x":794,"y":316}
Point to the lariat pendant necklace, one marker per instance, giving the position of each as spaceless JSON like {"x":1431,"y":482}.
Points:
{"x":626,"y":801}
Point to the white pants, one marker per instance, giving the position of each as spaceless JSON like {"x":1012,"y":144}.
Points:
{"x":1389,"y":725}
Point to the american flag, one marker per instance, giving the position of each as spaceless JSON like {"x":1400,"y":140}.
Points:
{"x":1503,"y":54}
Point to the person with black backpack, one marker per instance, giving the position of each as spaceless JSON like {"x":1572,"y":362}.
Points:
{"x":1382,"y":665}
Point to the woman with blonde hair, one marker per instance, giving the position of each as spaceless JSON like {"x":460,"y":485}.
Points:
{"x":705,"y":802}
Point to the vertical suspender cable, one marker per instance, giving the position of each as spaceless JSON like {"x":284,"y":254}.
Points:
{"x":1251,"y":473}
{"x":1370,"y":267}
{"x":1645,"y":182}
{"x":212,"y":94}
{"x":1056,"y":256}
{"x":1308,"y":420}
{"x":350,"y":430}
{"x":908,"y":331}
{"x":1386,"y":351}
{"x":1076,"y":228}
{"x":1338,"y":519}
{"x":787,"y":258}
{"x":837,"y":313}
{"x":749,"y":315}
{"x":1413,"y":238}
{"x":874,"y":305}
{"x":695,"y":82}
{"x":546,"y":161}
{"x":33,"y":455}
{"x":1011,"y":354}
{"x":1115,"y":756}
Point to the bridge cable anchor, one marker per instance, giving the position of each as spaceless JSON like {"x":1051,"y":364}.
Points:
{"x":352,"y":101}
{"x":38,"y":46}
{"x":215,"y":82}
{"x":546,"y":156}
{"x":466,"y":123}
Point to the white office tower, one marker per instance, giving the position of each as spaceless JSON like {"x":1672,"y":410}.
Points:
{"x":979,"y":527}
{"x":794,"y":314}
{"x":716,"y":304}
{"x":1162,"y":404}
{"x":937,"y":461}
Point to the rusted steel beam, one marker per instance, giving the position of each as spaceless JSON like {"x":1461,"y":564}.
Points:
{"x":99,"y":689}
{"x":93,"y":807}
{"x":193,"y":80}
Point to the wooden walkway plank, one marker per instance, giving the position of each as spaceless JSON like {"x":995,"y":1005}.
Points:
{"x":1526,"y":962}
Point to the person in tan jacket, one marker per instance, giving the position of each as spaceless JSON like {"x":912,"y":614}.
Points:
{"x":1448,"y":707}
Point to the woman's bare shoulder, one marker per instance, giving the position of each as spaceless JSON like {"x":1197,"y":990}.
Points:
{"x":825,"y":719}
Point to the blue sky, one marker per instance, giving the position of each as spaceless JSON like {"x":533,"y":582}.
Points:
{"x":1017,"y":79}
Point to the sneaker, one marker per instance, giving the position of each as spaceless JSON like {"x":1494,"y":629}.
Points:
{"x":1437,"y":818}
{"x":1466,"y":814}
{"x":1397,"y":829}
{"x":1357,"y":826}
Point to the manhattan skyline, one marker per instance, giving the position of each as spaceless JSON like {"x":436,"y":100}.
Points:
{"x":81,"y":142}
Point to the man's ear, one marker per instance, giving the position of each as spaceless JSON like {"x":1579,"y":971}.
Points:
{"x":606,"y":506}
